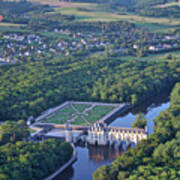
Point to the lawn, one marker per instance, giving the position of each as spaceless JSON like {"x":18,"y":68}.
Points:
{"x":60,"y":116}
{"x":79,"y":121}
{"x":78,"y":114}
{"x":32,"y":130}
{"x":81,"y":107}
{"x":98,"y":112}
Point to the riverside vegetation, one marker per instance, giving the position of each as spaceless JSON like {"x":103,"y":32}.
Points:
{"x":31,"y":88}
{"x":157,"y":157}
{"x":20,"y":159}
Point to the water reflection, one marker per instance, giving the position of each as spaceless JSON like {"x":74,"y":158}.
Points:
{"x":91,"y":157}
{"x":88,"y":160}
{"x":99,"y":154}
{"x":152,"y":113}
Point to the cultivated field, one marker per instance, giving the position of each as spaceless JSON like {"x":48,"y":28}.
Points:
{"x":94,"y":13}
{"x":154,"y":57}
{"x":168,"y":4}
{"x":97,"y":12}
{"x":78,"y":113}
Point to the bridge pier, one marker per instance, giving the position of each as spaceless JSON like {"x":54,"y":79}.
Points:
{"x":101,"y":134}
{"x":97,"y":142}
{"x":128,"y":144}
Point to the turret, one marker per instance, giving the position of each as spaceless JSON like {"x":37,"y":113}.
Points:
{"x":68,"y":133}
{"x":146,"y":129}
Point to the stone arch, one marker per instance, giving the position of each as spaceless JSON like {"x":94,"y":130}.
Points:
{"x":96,"y":143}
{"x":116,"y":143}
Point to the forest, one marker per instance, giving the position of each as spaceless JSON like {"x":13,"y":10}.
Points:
{"x":27,"y":160}
{"x":29,"y":89}
{"x":158,"y":157}
{"x":21,"y":158}
{"x":10,"y":132}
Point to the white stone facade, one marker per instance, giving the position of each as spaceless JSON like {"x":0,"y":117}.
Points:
{"x":100,"y":134}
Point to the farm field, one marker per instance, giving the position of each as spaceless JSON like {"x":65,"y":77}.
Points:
{"x":154,"y":57}
{"x":93,"y":12}
{"x":155,"y":27}
{"x":96,"y":14}
{"x":56,"y":35}
{"x":7,"y":28}
{"x":151,"y":57}
{"x":78,"y":113}
{"x":10,"y":27}
{"x":99,"y":12}
{"x":169,"y":4}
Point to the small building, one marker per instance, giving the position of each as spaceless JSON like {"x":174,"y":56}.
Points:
{"x":135,"y":46}
{"x":30,"y":120}
{"x":152,"y":48}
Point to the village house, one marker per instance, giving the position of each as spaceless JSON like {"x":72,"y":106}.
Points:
{"x":135,"y":46}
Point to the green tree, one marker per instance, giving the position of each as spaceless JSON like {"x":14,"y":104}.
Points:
{"x":13,"y":131}
{"x":140,"y":121}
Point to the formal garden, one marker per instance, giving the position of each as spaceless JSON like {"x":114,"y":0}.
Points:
{"x":78,"y":113}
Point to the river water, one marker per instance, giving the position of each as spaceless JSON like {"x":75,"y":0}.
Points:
{"x":91,"y":157}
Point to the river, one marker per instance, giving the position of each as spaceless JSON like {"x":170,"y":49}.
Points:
{"x":91,"y":157}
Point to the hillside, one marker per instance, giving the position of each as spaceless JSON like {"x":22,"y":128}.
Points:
{"x":143,"y":7}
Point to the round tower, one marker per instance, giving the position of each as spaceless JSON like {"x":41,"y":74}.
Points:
{"x":68,"y":133}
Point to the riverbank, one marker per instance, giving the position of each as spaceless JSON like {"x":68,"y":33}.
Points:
{"x":91,"y":157}
{"x":95,"y":157}
{"x":154,"y":100}
{"x":66,"y":165}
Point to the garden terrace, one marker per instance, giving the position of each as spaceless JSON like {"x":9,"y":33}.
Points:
{"x":79,"y":113}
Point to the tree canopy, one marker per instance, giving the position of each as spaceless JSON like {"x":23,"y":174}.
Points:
{"x":158,"y":157}
{"x":140,"y":121}
{"x":28,"y":160}
{"x":29,"y":89}
{"x":12,"y":131}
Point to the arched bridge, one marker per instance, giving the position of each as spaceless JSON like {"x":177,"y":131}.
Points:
{"x":101,"y":134}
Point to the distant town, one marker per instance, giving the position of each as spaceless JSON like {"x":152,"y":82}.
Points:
{"x":24,"y":47}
